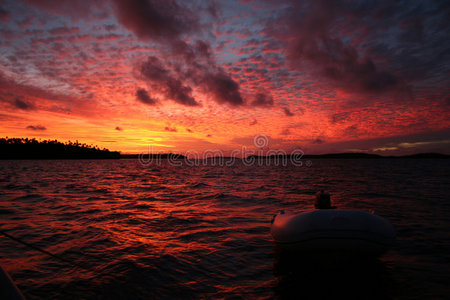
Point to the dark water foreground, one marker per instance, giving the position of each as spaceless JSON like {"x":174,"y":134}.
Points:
{"x":128,"y":231}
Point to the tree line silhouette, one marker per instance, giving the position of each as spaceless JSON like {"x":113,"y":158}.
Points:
{"x":25,"y":148}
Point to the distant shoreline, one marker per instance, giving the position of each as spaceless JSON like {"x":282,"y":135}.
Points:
{"x":19,"y":148}
{"x":182,"y":157}
{"x":371,"y":156}
{"x":165,"y":156}
{"x":306,"y":156}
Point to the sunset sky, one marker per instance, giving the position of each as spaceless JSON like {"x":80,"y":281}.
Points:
{"x":323,"y":76}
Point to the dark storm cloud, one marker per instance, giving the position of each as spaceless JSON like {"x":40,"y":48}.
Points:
{"x":21,"y":104}
{"x":369,"y":47}
{"x":192,"y":53}
{"x":223,"y":88}
{"x":166,"y":22}
{"x":167,"y":83}
{"x":4,"y":15}
{"x":143,"y":96}
{"x":36,"y":128}
{"x":287,"y":112}
{"x":262,"y":100}
{"x":156,"y":19}
{"x":198,"y":70}
{"x":421,"y":48}
{"x":203,"y":48}
{"x":176,"y":86}
{"x":312,"y":39}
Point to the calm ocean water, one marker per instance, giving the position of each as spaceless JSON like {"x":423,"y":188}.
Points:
{"x":133,"y":231}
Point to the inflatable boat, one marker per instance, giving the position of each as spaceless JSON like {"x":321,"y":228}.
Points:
{"x":8,"y":290}
{"x":333,"y":230}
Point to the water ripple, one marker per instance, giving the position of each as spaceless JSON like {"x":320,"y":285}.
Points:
{"x":203,"y":232}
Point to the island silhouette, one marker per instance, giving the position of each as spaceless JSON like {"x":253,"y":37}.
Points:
{"x":25,"y":148}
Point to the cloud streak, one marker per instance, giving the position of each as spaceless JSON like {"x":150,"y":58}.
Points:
{"x":170,"y":129}
{"x":287,"y":112}
{"x":36,"y":128}
{"x":24,"y":105}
